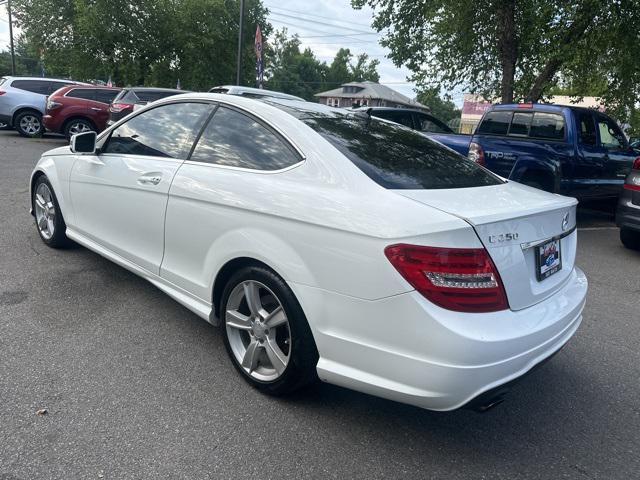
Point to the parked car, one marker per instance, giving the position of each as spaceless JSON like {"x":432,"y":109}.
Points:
{"x":405,"y":271}
{"x":132,"y":98}
{"x":628,"y":213}
{"x":253,"y":92}
{"x":23,"y":101}
{"x":564,"y":149}
{"x":78,"y":109}
{"x":423,"y":122}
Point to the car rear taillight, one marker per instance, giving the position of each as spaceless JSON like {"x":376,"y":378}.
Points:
{"x":459,"y":279}
{"x":118,"y":107}
{"x":476,"y":154}
{"x":636,"y":164}
{"x":2,"y":92}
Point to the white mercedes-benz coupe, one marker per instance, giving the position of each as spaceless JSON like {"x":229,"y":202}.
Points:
{"x":326,"y":243}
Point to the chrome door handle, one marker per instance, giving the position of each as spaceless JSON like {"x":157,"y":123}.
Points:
{"x":96,"y":109}
{"x":150,"y":179}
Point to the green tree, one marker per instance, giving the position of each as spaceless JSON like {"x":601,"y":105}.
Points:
{"x":343,"y":70}
{"x":290,"y":70}
{"x":146,"y":42}
{"x":514,"y":49}
{"x":441,"y":108}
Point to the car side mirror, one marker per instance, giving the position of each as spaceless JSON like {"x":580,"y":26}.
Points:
{"x":84,"y":142}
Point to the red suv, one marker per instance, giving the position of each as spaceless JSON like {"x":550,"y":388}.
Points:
{"x":77,"y":109}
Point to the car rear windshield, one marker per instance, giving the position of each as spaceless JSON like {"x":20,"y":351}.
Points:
{"x":541,"y":125}
{"x":397,"y":157}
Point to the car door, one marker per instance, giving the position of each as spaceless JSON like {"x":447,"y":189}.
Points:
{"x":231,"y":173}
{"x":119,"y":195}
{"x":619,"y":156}
{"x":590,"y":163}
{"x":99,"y":107}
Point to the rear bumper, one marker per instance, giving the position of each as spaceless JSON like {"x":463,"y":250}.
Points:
{"x":52,"y":123}
{"x":628,"y":213}
{"x":406,"y":349}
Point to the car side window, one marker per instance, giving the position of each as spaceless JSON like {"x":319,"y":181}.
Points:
{"x":610,"y":134}
{"x":236,"y":140}
{"x":34,"y":86}
{"x":547,"y":125}
{"x":426,"y":124}
{"x":587,"y":129}
{"x":106,"y":96}
{"x":403,"y":118}
{"x":84,"y":93}
{"x":520,"y":124}
{"x":495,"y":123}
{"x":53,"y":86}
{"x":165,"y":131}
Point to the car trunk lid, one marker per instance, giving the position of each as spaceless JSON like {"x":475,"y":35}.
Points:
{"x":513,"y":222}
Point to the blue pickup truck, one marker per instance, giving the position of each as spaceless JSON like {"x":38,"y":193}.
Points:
{"x":564,"y":149}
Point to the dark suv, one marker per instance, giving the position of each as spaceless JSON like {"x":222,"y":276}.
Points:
{"x":130,"y":99}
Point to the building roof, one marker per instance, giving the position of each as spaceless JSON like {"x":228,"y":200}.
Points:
{"x":370,"y":89}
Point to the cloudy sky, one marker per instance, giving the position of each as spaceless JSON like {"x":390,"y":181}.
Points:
{"x":323,"y":25}
{"x":328,"y":25}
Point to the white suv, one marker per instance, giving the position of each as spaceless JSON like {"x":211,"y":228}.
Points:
{"x":23,"y":101}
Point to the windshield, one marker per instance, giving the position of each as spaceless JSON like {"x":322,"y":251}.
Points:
{"x":397,"y":157}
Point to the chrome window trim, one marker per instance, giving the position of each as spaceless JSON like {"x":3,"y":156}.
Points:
{"x":537,"y":243}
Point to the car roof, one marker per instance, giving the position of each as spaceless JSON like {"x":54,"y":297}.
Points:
{"x":390,"y":109}
{"x":10,"y":77}
{"x":546,"y":107}
{"x":154,"y":89}
{"x":262,"y":92}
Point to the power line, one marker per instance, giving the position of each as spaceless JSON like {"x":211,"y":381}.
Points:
{"x":317,"y":22}
{"x":318,"y":16}
{"x":336,"y":35}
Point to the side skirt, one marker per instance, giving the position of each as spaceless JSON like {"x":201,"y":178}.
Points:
{"x":196,"y":305}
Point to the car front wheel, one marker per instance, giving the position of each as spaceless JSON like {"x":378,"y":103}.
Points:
{"x":29,"y":124}
{"x":46,"y":210}
{"x":266,"y":332}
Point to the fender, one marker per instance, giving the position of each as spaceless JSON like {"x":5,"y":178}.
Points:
{"x":57,"y":169}
{"x":546,"y":166}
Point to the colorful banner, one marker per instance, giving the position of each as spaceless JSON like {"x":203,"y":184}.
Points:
{"x":259,"y":64}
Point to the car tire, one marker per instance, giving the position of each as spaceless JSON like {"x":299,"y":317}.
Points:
{"x":29,"y":124}
{"x":77,"y":125}
{"x":630,"y":238}
{"x":273,"y":349}
{"x":46,"y":211}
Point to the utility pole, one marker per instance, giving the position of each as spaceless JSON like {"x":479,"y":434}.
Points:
{"x":239,"y":63}
{"x":13,"y":53}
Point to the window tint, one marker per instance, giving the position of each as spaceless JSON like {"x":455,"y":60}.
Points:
{"x":53,"y":86}
{"x":520,"y":124}
{"x":403,"y":118}
{"x":236,"y":140}
{"x":547,"y":125}
{"x":34,"y":86}
{"x":610,"y":134}
{"x":431,"y":125}
{"x":398,"y":158}
{"x":106,"y":96}
{"x":587,"y":129}
{"x":86,"y":93}
{"x":152,"y":96}
{"x":495,"y":123}
{"x":165,"y":131}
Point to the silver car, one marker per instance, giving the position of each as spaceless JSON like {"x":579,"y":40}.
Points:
{"x":23,"y":101}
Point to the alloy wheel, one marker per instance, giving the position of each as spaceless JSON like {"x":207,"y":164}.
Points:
{"x":79,"y":127}
{"x":258,"y":331}
{"x":30,"y":124}
{"x":45,"y":211}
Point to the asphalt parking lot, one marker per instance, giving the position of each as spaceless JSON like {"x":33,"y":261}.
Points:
{"x":138,"y":387}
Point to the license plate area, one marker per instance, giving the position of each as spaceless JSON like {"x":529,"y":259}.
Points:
{"x":548,"y":259}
